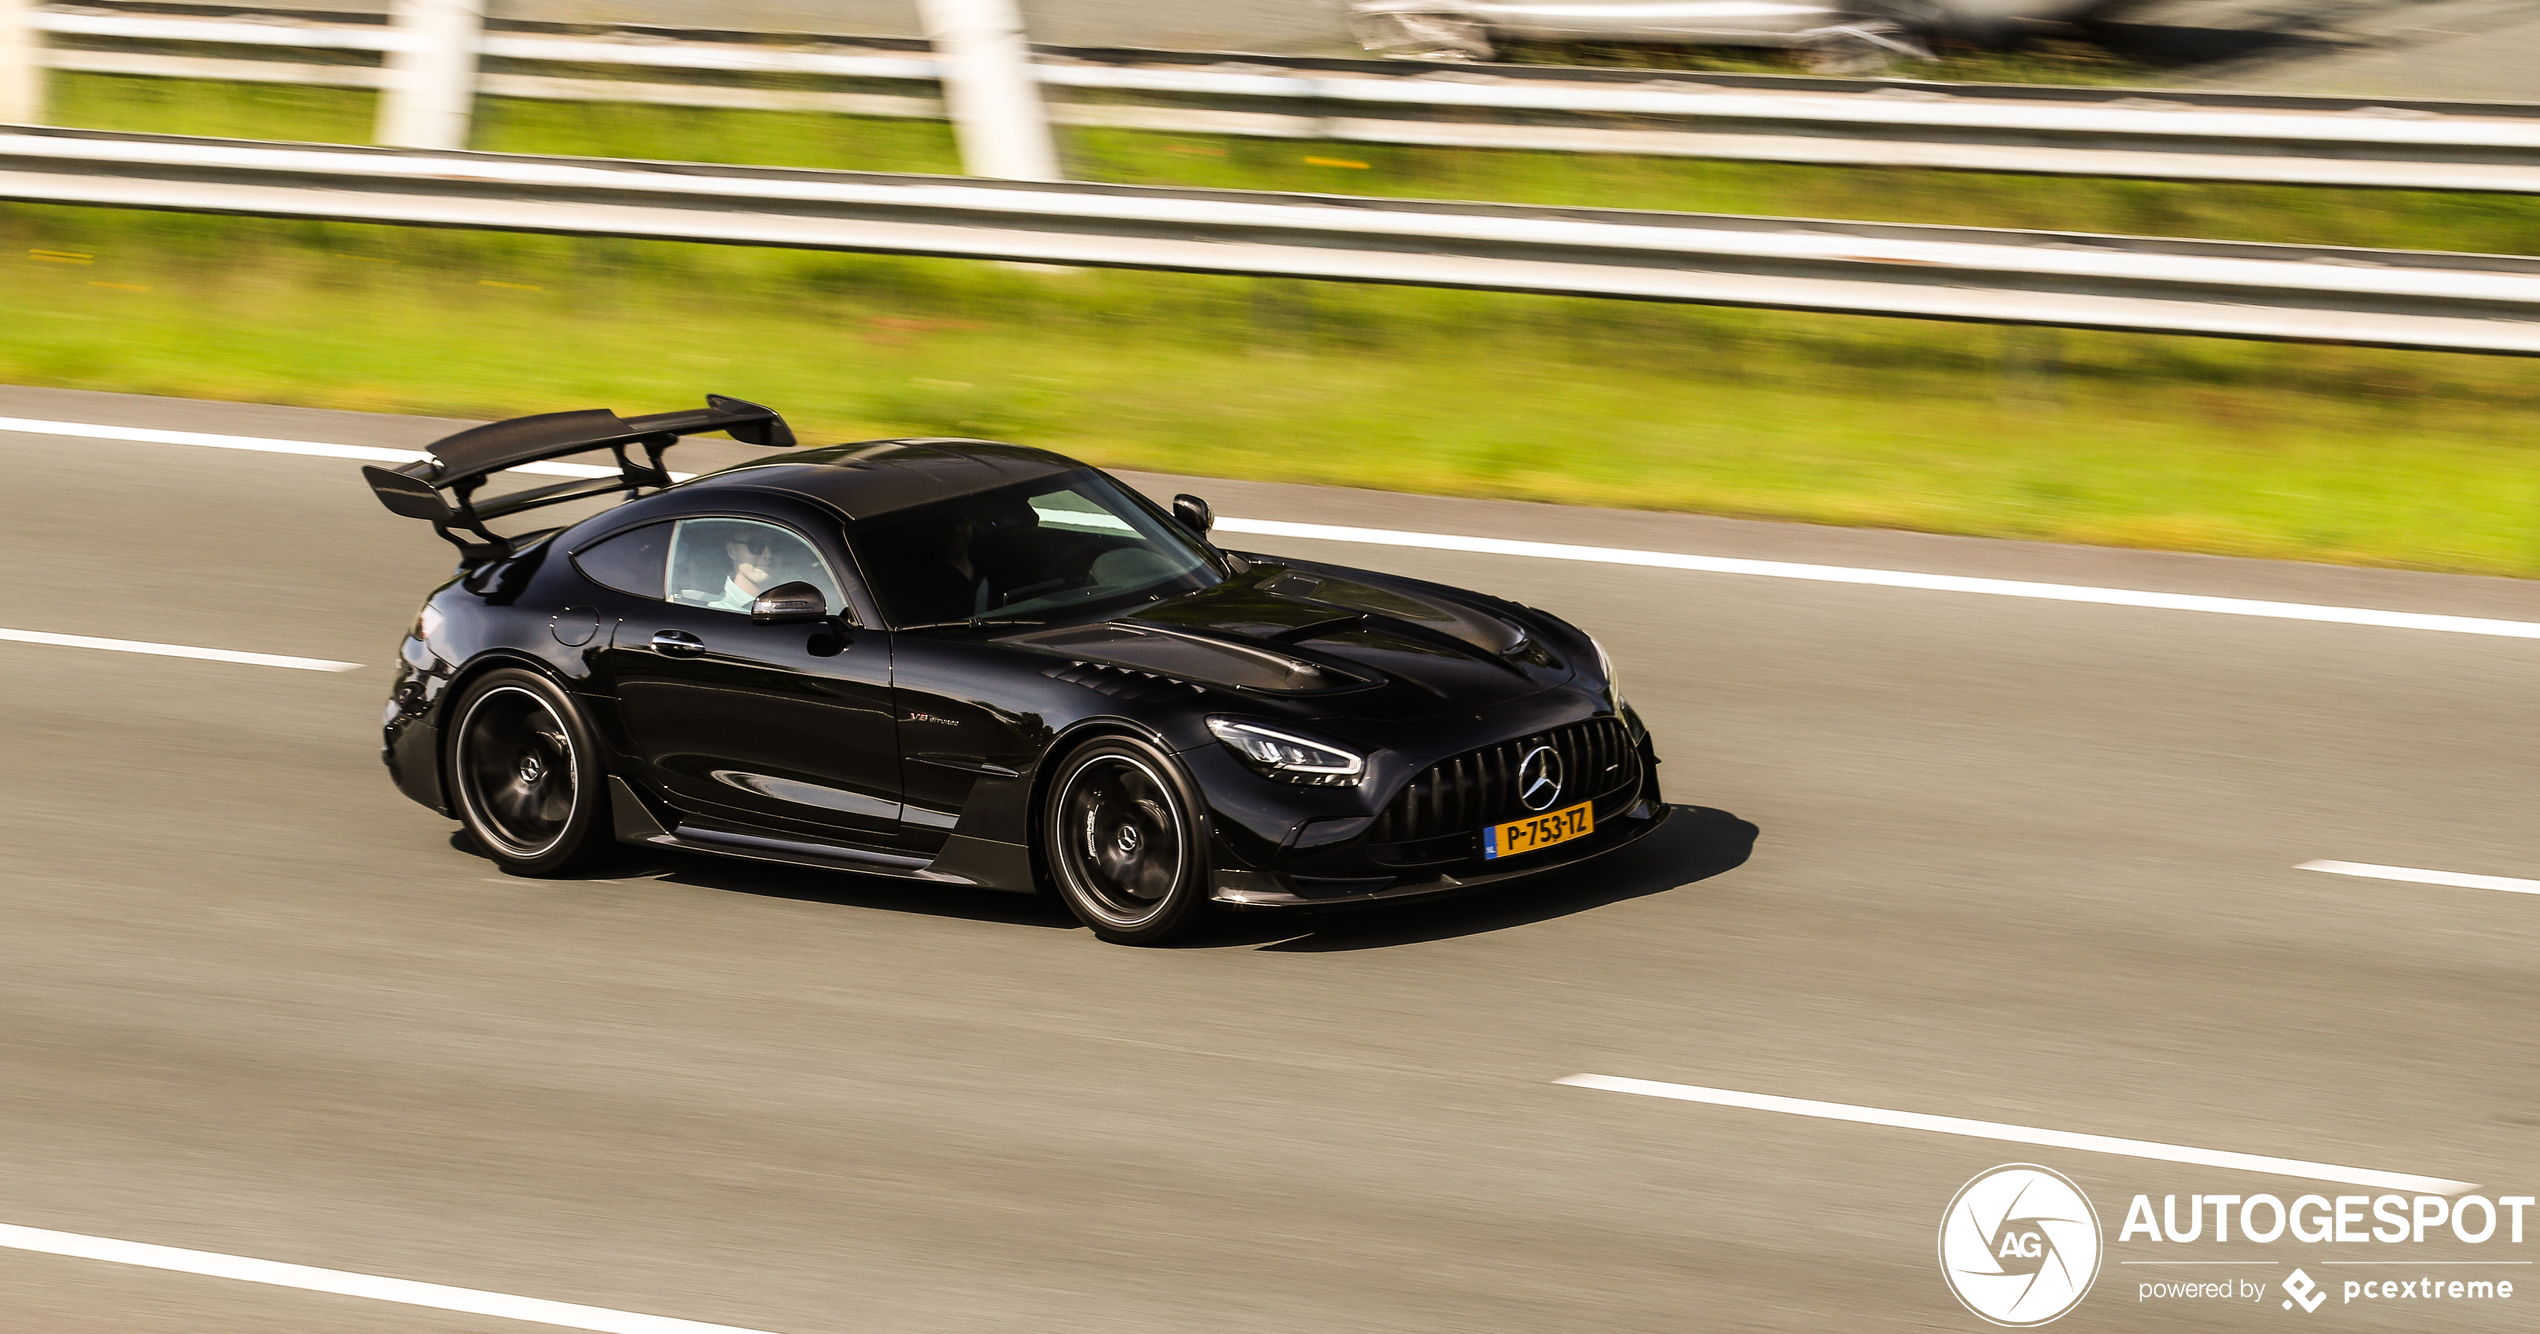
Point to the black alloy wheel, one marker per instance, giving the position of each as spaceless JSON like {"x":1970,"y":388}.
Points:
{"x":1124,"y":842}
{"x":526,"y":774}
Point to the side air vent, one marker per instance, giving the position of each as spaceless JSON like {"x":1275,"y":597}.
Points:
{"x":1121,"y":683}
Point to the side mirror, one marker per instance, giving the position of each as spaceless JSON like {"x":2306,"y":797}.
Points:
{"x":1194,"y":514}
{"x":796,"y":603}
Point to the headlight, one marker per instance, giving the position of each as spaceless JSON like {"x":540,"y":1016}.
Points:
{"x":427,"y":623}
{"x":1605,"y":664}
{"x":1291,"y":759}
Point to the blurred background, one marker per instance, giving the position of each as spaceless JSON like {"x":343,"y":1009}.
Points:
{"x":2303,"y":450}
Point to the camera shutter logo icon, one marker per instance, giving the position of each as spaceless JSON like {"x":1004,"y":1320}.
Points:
{"x":2020,"y":1245}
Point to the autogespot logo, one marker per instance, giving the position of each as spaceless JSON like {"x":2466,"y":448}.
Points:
{"x":2020,"y":1245}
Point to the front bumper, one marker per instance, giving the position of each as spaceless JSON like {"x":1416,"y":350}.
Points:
{"x":1259,"y":889}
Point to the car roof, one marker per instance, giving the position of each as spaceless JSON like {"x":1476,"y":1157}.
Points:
{"x":879,"y":476}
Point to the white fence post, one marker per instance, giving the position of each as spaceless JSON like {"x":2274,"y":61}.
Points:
{"x":431,"y":90}
{"x":996,"y":106}
{"x":21,"y":65}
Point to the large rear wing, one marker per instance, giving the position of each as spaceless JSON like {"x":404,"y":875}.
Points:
{"x":442,"y":489}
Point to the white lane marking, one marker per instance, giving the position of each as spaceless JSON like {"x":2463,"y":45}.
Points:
{"x":2414,"y":876}
{"x":402,"y":1291}
{"x":2057,"y":1139}
{"x":1943,"y":583}
{"x":1497,"y":546}
{"x":179,"y":651}
{"x":363,"y":453}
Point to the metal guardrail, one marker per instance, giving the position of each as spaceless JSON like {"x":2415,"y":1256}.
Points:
{"x":2128,"y":133}
{"x":2470,"y":303}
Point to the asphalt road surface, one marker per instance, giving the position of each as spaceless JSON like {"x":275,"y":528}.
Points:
{"x":2021,"y":861}
{"x":2424,"y":49}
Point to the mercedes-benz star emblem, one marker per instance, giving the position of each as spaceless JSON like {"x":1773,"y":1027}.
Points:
{"x":1539,"y":779}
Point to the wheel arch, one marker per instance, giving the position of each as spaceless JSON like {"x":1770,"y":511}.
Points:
{"x":477,"y":668}
{"x":1068,"y":740}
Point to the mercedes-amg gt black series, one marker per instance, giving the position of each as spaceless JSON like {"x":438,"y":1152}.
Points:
{"x":979,"y":664}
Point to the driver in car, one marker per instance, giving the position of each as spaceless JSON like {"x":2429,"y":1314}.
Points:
{"x":751,"y":558}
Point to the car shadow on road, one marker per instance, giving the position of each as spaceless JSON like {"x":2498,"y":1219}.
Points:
{"x":1695,"y":844}
{"x":804,"y":884}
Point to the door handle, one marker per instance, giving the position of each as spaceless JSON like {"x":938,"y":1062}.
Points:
{"x":678,"y":643}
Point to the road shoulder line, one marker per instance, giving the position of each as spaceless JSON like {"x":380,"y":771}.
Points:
{"x":2056,"y":1139}
{"x":2412,"y":875}
{"x":1943,"y":583}
{"x":1664,"y":560}
{"x":178,"y":651}
{"x":404,"y":1292}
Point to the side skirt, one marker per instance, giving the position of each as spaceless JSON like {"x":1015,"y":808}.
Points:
{"x":637,"y":824}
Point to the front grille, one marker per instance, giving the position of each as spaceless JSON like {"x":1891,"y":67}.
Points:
{"x":1458,"y":796}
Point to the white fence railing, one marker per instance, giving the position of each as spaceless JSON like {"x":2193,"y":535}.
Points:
{"x":2174,"y":136}
{"x":2474,"y":303}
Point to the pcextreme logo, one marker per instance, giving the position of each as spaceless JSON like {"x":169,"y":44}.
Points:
{"x":2020,"y":1245}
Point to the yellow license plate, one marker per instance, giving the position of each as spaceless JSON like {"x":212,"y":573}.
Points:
{"x":1542,"y":831}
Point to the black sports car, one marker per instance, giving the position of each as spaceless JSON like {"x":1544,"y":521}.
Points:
{"x":979,"y":664}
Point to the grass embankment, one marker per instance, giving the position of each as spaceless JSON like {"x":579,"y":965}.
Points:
{"x":2315,"y":453}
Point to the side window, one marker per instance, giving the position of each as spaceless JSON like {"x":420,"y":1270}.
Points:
{"x":726,"y":563}
{"x":630,"y":562}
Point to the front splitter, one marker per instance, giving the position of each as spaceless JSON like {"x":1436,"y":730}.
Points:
{"x":1249,"y":893}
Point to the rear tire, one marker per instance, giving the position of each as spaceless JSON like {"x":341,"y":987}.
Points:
{"x":526,"y":776}
{"x":1121,"y":831}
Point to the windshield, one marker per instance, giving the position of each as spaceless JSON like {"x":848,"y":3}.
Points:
{"x":1055,"y":546}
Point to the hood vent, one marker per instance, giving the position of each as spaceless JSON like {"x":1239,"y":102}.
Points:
{"x":1125,"y":684}
{"x":1492,"y":634}
{"x":1185,"y":655}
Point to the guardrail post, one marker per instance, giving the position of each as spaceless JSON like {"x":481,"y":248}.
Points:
{"x":21,"y":65}
{"x":431,"y":90}
{"x":987,"y":76}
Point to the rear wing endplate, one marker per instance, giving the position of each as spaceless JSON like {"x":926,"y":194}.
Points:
{"x":441,"y":490}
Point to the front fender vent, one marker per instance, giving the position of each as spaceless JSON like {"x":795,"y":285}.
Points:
{"x":1125,"y":684}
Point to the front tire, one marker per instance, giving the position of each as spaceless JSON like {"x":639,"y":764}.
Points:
{"x":1124,"y":842}
{"x":526,"y":774}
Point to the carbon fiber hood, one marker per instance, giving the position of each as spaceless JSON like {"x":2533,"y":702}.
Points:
{"x":1339,"y":642}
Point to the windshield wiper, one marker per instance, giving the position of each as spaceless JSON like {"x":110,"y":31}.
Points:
{"x":969,"y":622}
